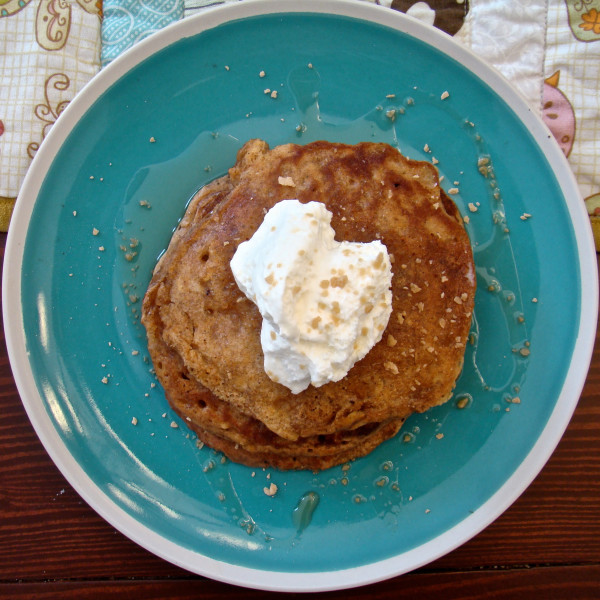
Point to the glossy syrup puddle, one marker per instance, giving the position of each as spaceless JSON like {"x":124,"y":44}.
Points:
{"x":302,"y":514}
{"x":379,"y":488}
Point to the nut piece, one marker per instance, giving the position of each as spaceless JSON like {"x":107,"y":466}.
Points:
{"x":271,"y":490}
{"x":391,"y":367}
{"x":287,"y":181}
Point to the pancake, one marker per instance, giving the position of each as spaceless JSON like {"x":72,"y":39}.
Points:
{"x":245,"y":439}
{"x":204,"y":335}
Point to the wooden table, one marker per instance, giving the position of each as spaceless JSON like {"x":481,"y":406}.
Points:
{"x":53,"y":545}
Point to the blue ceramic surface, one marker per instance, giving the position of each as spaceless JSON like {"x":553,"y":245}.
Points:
{"x":116,"y":190}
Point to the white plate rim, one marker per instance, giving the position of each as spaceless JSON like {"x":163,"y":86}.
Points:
{"x":282,"y":580}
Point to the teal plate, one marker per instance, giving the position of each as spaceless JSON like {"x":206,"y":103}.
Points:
{"x":106,"y":191}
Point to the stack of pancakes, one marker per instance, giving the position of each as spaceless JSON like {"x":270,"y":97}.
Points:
{"x":204,"y":334}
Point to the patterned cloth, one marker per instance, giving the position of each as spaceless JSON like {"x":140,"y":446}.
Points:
{"x":549,"y":49}
{"x":49,"y":49}
{"x":126,"y":22}
{"x":571,"y":94}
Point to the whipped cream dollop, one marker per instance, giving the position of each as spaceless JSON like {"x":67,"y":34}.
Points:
{"x":324,"y":303}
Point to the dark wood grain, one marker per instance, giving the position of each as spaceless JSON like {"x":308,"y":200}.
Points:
{"x":547,"y":583}
{"x":547,"y":545}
